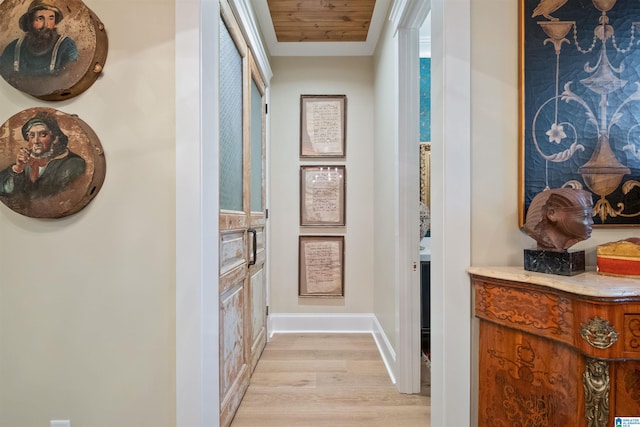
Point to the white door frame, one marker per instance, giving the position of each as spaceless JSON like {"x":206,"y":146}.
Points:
{"x":450,"y":200}
{"x":197,"y":359}
{"x":407,"y":18}
{"x":197,"y":187}
{"x":451,"y":213}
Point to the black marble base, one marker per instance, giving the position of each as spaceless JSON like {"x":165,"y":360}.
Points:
{"x":561,"y":263}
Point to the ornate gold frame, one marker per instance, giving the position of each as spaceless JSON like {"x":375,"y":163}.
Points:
{"x":425,"y":173}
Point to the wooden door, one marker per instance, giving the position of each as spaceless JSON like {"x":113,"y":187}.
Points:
{"x":242,"y":281}
{"x":257,"y":272}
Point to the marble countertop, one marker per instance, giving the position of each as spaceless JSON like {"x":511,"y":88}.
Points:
{"x":589,"y":283}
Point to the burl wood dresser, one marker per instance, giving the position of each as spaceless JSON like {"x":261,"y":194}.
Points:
{"x":556,"y":351}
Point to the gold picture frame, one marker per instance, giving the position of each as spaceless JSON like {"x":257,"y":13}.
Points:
{"x":322,"y":196}
{"x":321,"y":266}
{"x":323,"y":125}
{"x":425,"y":173}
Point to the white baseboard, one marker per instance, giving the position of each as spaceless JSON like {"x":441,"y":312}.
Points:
{"x":385,"y":348}
{"x":284,"y":323}
{"x":339,"y":323}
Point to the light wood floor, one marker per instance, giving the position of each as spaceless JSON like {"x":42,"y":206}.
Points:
{"x":336,"y":380}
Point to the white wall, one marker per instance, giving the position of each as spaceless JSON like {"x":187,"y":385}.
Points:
{"x":87,"y":317}
{"x":385,"y":198}
{"x":352,"y":76}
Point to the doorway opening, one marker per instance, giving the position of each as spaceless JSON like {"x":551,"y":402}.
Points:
{"x":425,"y":206}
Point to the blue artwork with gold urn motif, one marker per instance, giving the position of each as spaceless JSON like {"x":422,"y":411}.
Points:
{"x":580,"y":98}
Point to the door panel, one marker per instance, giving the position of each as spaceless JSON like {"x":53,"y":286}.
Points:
{"x":234,"y":193}
{"x":257,"y":217}
{"x":242,"y":216}
{"x":234,"y":373}
{"x":232,"y":251}
{"x":257,"y":144}
{"x":258,"y":316}
{"x":258,"y":292}
{"x":232,"y":56}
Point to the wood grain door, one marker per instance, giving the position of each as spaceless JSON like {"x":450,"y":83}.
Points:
{"x":258,"y":217}
{"x":242,"y":216}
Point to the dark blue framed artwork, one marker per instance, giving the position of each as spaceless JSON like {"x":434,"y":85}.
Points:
{"x":580,"y":104}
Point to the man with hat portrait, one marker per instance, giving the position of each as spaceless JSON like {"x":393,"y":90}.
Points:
{"x":46,"y":166}
{"x":41,"y":51}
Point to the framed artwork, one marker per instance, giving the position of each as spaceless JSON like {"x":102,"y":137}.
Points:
{"x":322,"y":195}
{"x":323,"y":125}
{"x":425,"y":173}
{"x":579,"y":109}
{"x":321,"y":266}
{"x":51,"y":49}
{"x":51,"y":163}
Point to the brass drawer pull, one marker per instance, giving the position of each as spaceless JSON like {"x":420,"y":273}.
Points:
{"x":598,"y":333}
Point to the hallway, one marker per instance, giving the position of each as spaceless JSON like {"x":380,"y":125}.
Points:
{"x":327,"y":380}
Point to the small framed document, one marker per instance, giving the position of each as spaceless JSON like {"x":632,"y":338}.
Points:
{"x":322,"y":196}
{"x":322,"y":125}
{"x":321,"y":266}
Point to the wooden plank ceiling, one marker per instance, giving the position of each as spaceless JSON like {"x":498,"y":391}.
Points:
{"x":321,"y":20}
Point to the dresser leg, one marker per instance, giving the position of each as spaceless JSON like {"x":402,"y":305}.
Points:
{"x":596,"y":384}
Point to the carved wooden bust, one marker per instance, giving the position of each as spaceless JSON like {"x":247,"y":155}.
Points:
{"x":559,"y":218}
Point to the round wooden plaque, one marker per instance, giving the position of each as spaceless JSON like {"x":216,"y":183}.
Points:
{"x":51,"y":49}
{"x":51,"y":163}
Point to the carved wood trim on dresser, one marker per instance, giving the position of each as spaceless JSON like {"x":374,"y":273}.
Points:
{"x":555,"y":350}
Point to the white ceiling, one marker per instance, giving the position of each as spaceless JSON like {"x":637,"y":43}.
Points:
{"x":367,"y":48}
